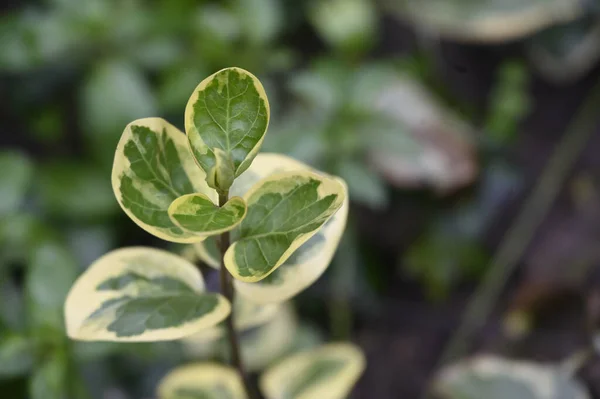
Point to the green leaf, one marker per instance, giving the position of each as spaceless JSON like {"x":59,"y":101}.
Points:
{"x":327,"y":372}
{"x":16,"y":356}
{"x":115,"y":93}
{"x":349,"y":25}
{"x":261,"y":19}
{"x":365,"y":186}
{"x":198,"y":214}
{"x":306,"y":264}
{"x":229,"y":111}
{"x":284,"y":211}
{"x":492,"y":377}
{"x":14,"y":181}
{"x":202,"y":381}
{"x":74,"y":191}
{"x":49,"y":381}
{"x":152,"y":168}
{"x":141,"y":294}
{"x":51,"y":272}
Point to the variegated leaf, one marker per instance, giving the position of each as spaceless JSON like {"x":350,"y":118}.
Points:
{"x":284,"y":211}
{"x":328,"y":372}
{"x":198,"y":214}
{"x":141,"y":294}
{"x":202,"y":381}
{"x":309,"y":261}
{"x":153,"y":167}
{"x":228,"y":111}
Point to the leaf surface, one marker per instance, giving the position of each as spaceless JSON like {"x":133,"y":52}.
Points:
{"x":198,"y":214}
{"x":228,"y":111}
{"x":141,"y":294}
{"x":307,"y":263}
{"x":284,"y":211}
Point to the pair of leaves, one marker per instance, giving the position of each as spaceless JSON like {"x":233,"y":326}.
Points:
{"x":158,"y":183}
{"x":328,"y":372}
{"x":160,"y":187}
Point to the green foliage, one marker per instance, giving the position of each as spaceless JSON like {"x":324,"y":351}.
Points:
{"x":141,"y":294}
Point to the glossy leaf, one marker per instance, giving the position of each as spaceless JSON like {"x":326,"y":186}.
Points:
{"x":13,"y":185}
{"x":141,"y":294}
{"x":228,"y":111}
{"x":492,"y":377}
{"x":284,"y":211}
{"x":202,"y":380}
{"x":309,"y":261}
{"x":152,"y":168}
{"x":489,"y":20}
{"x":328,"y":372}
{"x":198,"y":214}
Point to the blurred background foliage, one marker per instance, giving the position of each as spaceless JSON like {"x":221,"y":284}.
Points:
{"x":439,"y":114}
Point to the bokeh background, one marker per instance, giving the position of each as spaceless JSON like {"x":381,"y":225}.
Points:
{"x":468,"y":132}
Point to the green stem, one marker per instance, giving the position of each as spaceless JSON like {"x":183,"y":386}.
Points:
{"x":228,"y":292}
{"x":522,"y":231}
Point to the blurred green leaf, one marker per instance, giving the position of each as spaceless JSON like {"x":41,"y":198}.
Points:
{"x":76,"y":191}
{"x":364,"y":185}
{"x":12,"y":307}
{"x":48,"y":126}
{"x":176,"y":86}
{"x":115,"y":94}
{"x":261,"y":19}
{"x":16,"y":356}
{"x":19,"y":233}
{"x":509,"y":102}
{"x":15,"y":179}
{"x":348,"y":25}
{"x":51,"y":273}
{"x":49,"y":380}
{"x":88,"y":243}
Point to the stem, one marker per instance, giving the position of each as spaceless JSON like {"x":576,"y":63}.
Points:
{"x":228,"y":292}
{"x":522,"y":231}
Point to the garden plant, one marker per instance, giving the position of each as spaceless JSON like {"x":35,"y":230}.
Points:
{"x":277,"y":221}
